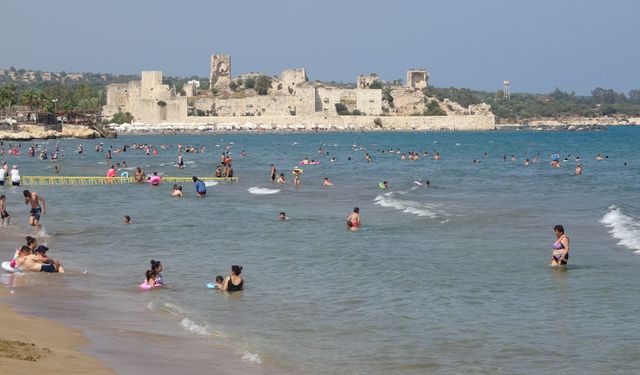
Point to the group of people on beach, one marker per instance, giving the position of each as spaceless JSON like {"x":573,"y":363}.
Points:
{"x":32,"y":257}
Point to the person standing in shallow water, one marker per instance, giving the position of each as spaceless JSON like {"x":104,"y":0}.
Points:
{"x":353,"y":221}
{"x":34,"y":200}
{"x":560,"y":255}
{"x":233,"y":282}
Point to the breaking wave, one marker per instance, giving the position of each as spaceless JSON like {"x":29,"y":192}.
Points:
{"x":624,"y":228}
{"x":262,"y":191}
{"x":409,"y":207}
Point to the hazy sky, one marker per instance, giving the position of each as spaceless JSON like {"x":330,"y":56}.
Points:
{"x":537,"y":44}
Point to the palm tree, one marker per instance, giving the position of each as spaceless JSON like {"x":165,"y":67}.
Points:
{"x":29,"y":98}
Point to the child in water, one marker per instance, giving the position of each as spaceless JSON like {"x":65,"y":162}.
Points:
{"x":156,"y":266}
{"x":127,"y":219}
{"x":150,"y":279}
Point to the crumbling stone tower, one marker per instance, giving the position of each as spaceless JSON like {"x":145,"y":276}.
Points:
{"x":220,"y":75}
{"x":417,"y":79}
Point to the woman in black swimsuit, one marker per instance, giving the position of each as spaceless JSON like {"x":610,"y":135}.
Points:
{"x":233,"y":282}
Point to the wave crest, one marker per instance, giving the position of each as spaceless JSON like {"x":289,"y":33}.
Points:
{"x":409,"y":207}
{"x":624,"y":228}
{"x":262,"y":191}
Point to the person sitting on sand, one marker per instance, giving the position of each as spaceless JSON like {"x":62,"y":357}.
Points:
{"x":177,"y":191}
{"x":233,"y":282}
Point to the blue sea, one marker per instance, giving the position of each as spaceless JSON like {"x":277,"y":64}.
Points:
{"x":447,"y":278}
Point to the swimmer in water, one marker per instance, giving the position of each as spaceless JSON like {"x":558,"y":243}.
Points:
{"x":280,"y":179}
{"x":219,"y":281}
{"x":353,"y":221}
{"x":327,"y":182}
{"x":578,"y":169}
{"x":273,"y":172}
{"x":156,"y":266}
{"x":150,"y":279}
{"x":177,"y":191}
{"x":127,"y":219}
{"x":560,"y":255}
{"x":282,"y":216}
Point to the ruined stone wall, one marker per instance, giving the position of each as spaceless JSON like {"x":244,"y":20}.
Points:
{"x":220,"y":75}
{"x":407,"y":102}
{"x":363,"y":82}
{"x":268,"y":105}
{"x":369,"y":101}
{"x":290,"y":79}
{"x":408,"y":123}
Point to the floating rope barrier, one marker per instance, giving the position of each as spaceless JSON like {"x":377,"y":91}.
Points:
{"x":101,"y":180}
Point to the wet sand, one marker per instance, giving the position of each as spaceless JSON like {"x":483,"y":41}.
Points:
{"x":31,"y":345}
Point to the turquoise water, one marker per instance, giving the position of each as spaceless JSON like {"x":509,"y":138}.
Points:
{"x":450,"y":278}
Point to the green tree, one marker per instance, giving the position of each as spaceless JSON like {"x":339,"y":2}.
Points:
{"x":433,"y":109}
{"x":9,"y":96}
{"x":342,"y":109}
{"x":250,"y":83}
{"x":375,"y":85}
{"x":233,"y":85}
{"x":122,"y":117}
{"x":29,"y":98}
{"x":263,"y":84}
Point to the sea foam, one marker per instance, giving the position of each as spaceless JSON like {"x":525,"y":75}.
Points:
{"x":262,"y":191}
{"x":624,"y":228}
{"x":252,"y":357}
{"x":192,"y":327}
{"x":407,"y":206}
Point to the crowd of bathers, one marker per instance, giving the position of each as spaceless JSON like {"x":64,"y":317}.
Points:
{"x":32,"y":257}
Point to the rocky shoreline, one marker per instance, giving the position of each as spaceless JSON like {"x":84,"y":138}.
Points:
{"x":29,"y":132}
{"x":26,"y":132}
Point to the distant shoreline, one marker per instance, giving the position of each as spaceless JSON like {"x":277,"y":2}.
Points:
{"x":146,"y":129}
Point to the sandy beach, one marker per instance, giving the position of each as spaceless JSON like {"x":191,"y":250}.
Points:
{"x":31,"y":345}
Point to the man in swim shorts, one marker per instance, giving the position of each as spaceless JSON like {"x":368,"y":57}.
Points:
{"x":33,"y":199}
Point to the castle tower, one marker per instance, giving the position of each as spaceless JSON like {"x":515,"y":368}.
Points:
{"x":220,"y":75}
{"x":417,"y":79}
{"x":506,"y":89}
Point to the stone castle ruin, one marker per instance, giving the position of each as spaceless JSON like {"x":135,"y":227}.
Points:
{"x":220,"y":75}
{"x":289,"y":97}
{"x":417,"y":79}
